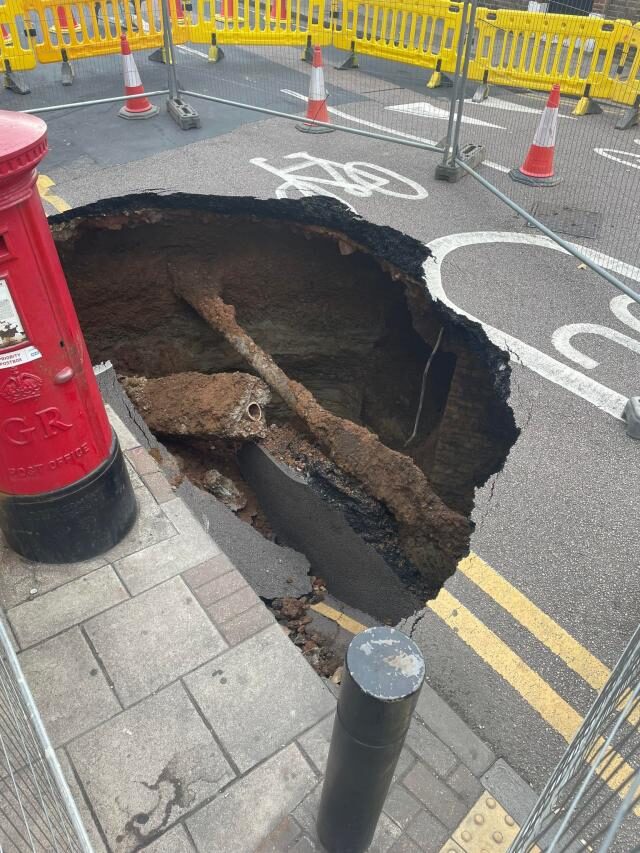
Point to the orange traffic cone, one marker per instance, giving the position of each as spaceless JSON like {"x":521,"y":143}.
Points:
{"x":64,"y":22}
{"x":317,"y":103}
{"x":537,"y":169}
{"x":179,"y":11}
{"x":6,"y":35}
{"x":283,"y":9}
{"x":137,"y":104}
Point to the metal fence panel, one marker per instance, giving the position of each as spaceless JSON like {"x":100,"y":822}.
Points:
{"x":37,"y":811}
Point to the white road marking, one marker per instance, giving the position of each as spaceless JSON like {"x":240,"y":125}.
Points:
{"x":192,"y":50}
{"x":633,"y":158}
{"x":599,"y":395}
{"x":426,"y":110}
{"x":355,"y":178}
{"x":619,"y":307}
{"x":499,"y":104}
{"x":561,"y":339}
{"x":383,"y":127}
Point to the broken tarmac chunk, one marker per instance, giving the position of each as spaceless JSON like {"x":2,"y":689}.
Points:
{"x":222,"y":405}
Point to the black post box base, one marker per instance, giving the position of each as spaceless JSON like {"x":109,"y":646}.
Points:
{"x":75,"y":523}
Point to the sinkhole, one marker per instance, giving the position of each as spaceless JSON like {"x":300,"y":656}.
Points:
{"x":329,"y":419}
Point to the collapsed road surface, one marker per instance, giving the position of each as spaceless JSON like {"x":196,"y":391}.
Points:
{"x":289,"y":357}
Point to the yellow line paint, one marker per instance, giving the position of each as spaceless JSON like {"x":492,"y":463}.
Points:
{"x":495,"y":652}
{"x":543,"y":628}
{"x":44,"y":185}
{"x":344,"y":621}
{"x":553,"y":709}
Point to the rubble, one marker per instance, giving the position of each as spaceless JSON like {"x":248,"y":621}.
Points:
{"x":224,"y":489}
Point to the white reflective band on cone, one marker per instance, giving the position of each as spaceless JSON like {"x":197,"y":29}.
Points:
{"x":131,"y":76}
{"x":546,"y":133}
{"x":317,"y":91}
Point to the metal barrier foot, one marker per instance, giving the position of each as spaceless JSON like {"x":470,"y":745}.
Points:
{"x":481,"y":93}
{"x":452,"y":172}
{"x":630,"y":117}
{"x":521,"y":178}
{"x":183,"y":114}
{"x":66,"y":71}
{"x":351,"y":61}
{"x":586,"y":107}
{"x":216,"y":54}
{"x":13,"y":83}
{"x":307,"y":55}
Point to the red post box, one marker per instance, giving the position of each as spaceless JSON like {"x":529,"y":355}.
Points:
{"x":65,"y":493}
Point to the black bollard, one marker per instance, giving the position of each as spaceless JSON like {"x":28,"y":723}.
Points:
{"x":383,"y":675}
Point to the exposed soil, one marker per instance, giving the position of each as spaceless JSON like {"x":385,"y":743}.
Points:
{"x":222,"y":405}
{"x":350,"y":333}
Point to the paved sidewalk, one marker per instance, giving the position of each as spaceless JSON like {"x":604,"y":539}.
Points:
{"x":185,"y":720}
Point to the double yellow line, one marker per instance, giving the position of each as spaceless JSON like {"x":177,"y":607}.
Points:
{"x":553,"y":709}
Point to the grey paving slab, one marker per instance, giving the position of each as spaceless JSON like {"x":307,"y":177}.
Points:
{"x":175,"y":840}
{"x":142,"y":461}
{"x":430,"y":748}
{"x":282,"y":837}
{"x":78,"y":797}
{"x":259,"y":695}
{"x":250,"y":809}
{"x":163,"y":560}
{"x":151,"y":526}
{"x":387,"y":832}
{"x":427,"y":832}
{"x":212,"y":568}
{"x":245,"y":625}
{"x":221,"y":587}
{"x":147,"y":767}
{"x":303,"y":845}
{"x":19,"y":576}
{"x":510,"y":790}
{"x":134,"y":477}
{"x":153,"y":639}
{"x":65,"y":606}
{"x":404,"y":845}
{"x":465,"y":784}
{"x":126,"y":439}
{"x":68,"y":686}
{"x":232,"y":605}
{"x":315,"y":742}
{"x":159,"y":487}
{"x":435,"y":795}
{"x":400,"y":805}
{"x":453,"y":732}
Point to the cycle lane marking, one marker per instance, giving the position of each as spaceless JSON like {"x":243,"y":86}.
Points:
{"x":599,"y":395}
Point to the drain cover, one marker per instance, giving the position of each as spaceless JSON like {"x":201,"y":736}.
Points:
{"x":568,"y":220}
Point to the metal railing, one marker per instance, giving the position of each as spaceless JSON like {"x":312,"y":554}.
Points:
{"x":37,"y":812}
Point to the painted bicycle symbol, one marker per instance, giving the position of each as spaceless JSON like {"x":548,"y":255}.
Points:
{"x":310,"y":176}
{"x":627,"y":158}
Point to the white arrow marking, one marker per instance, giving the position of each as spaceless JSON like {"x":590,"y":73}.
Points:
{"x":426,"y":110}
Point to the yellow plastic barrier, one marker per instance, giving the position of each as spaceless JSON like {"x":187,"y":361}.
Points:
{"x":411,"y":31}
{"x":15,"y":47}
{"x":93,"y":27}
{"x":536,"y":50}
{"x":260,"y":23}
{"x":623,"y":86}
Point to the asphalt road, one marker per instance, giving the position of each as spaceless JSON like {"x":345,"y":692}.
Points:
{"x":559,"y":523}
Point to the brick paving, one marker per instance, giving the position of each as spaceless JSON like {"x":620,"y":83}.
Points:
{"x":184,"y":718}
